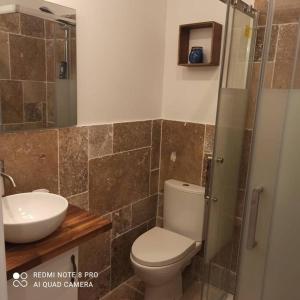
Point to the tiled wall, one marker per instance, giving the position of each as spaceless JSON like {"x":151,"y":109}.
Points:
{"x":111,"y":170}
{"x":184,"y":150}
{"x":30,"y":50}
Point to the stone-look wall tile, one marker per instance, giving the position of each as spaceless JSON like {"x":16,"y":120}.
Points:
{"x":156,"y":140}
{"x":31,"y":159}
{"x":101,"y":286}
{"x":118,"y":180}
{"x":51,"y":103}
{"x":209,"y":138}
{"x":286,"y":50}
{"x":182,"y":152}
{"x":49,"y":29}
{"x":11,"y":101}
{"x":154,"y":178}
{"x":260,"y":42}
{"x":33,"y":112}
{"x":136,"y":283}
{"x":10,"y":22}
{"x":124,"y":292}
{"x":73,"y":160}
{"x":204,"y":171}
{"x":100,"y":140}
{"x":32,"y":26}
{"x":81,"y":201}
{"x":121,"y":220}
{"x":245,"y":160}
{"x":50,"y":60}
{"x":34,"y":91}
{"x":252,"y":99}
{"x":94,"y":255}
{"x":120,"y":261}
{"x":4,"y":56}
{"x":131,"y":135}
{"x":144,"y":210}
{"x":286,"y":15}
{"x":27,"y":57}
{"x":160,"y":206}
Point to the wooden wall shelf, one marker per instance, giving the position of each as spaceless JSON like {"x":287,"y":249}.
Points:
{"x":184,"y":43}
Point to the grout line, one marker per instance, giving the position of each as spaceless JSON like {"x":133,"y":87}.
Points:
{"x":122,"y":152}
{"x":132,"y":228}
{"x":9,"y":56}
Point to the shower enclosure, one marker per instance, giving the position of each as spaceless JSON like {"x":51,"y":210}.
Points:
{"x":252,"y":248}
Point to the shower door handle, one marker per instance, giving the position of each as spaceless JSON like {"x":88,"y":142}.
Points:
{"x":254,"y":205}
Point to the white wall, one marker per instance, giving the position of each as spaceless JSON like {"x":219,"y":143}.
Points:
{"x":120,"y":59}
{"x":190,"y":94}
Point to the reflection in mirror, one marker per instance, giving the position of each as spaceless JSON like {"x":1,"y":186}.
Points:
{"x":37,"y":65}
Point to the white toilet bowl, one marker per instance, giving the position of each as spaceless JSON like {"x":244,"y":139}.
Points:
{"x":158,"y":257}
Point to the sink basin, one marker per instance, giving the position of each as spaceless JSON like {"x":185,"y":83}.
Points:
{"x":30,"y":217}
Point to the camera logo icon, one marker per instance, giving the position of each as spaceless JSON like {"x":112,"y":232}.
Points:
{"x":20,"y":280}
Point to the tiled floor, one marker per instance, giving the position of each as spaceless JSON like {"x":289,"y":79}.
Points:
{"x":134,"y":289}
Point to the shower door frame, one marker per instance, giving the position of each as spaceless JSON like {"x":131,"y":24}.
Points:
{"x":251,"y":12}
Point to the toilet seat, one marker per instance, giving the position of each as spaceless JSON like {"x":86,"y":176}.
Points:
{"x":160,"y":247}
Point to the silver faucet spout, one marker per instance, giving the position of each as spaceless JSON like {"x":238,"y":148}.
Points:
{"x":6,"y":175}
{"x":9,"y":178}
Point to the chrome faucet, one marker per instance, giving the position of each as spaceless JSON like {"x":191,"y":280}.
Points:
{"x":6,"y":175}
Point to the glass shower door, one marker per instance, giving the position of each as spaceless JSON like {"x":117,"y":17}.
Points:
{"x":221,"y":250}
{"x":270,"y":255}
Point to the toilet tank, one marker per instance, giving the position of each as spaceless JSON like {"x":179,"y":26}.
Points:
{"x":184,"y":206}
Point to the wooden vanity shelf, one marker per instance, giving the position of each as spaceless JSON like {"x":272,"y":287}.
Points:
{"x":213,"y":45}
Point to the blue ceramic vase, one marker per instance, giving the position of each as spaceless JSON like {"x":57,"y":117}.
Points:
{"x":196,"y":55}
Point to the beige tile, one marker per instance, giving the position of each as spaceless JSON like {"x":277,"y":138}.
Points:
{"x":27,"y":56}
{"x":34,"y":92}
{"x":120,"y":261}
{"x":118,"y":180}
{"x":94,"y":255}
{"x":156,"y":140}
{"x":31,"y":159}
{"x":10,"y":22}
{"x":286,"y":48}
{"x":144,"y":210}
{"x":124,"y":292}
{"x":121,"y":220}
{"x":32,"y":26}
{"x":260,"y":43}
{"x":4,"y":56}
{"x":51,"y":102}
{"x":11,"y":101}
{"x":131,"y":135}
{"x":286,"y":15}
{"x":33,"y":112}
{"x":209,"y":138}
{"x":101,"y":286}
{"x":50,"y":60}
{"x":245,"y":160}
{"x":100,"y":140}
{"x":81,"y":200}
{"x":182,"y":152}
{"x":73,"y":160}
{"x":154,"y":178}
{"x":136,"y":283}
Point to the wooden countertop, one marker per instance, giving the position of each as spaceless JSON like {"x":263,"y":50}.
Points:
{"x":79,"y":226}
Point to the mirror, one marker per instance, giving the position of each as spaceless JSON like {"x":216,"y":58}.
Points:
{"x":37,"y":65}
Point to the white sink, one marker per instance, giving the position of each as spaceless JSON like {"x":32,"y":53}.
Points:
{"x":30,"y":217}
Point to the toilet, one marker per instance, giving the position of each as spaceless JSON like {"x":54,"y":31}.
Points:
{"x":161,"y":254}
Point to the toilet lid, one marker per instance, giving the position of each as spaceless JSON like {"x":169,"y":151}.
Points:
{"x":160,"y":247}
